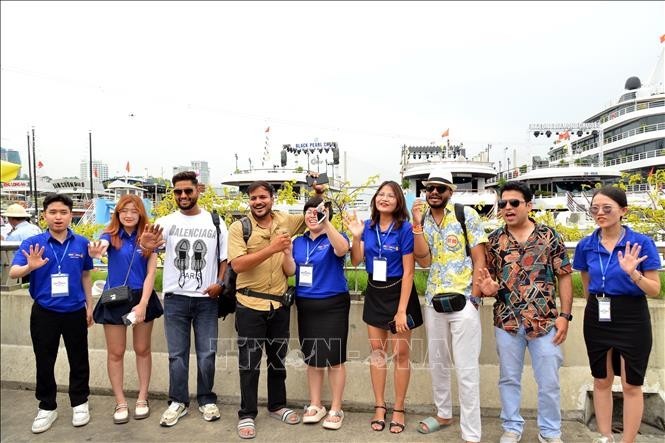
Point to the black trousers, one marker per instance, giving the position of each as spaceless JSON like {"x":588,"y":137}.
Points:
{"x":258,"y":329}
{"x":46,"y":327}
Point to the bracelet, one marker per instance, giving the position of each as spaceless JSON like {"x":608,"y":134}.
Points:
{"x":220,"y":282}
{"x":418,"y":232}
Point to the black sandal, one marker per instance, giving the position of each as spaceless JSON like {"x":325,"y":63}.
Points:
{"x":394,"y":424}
{"x":381,"y":423}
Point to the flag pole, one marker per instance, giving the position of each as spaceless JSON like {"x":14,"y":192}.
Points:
{"x":34,"y":173}
{"x":92,"y":193}
{"x":29,"y":166}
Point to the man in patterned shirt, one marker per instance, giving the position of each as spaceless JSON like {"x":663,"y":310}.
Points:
{"x":526,"y":258}
{"x":440,"y":243}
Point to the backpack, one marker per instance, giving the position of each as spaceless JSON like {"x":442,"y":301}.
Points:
{"x":461,"y":218}
{"x":226,"y":302}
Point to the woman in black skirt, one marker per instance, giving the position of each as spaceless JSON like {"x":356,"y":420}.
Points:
{"x":323,"y":302}
{"x":618,"y":267}
{"x":130,"y":266}
{"x":385,"y":243}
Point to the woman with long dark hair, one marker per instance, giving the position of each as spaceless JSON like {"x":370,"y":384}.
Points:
{"x":385,"y":243}
{"x":128,"y":265}
{"x":618,"y":267}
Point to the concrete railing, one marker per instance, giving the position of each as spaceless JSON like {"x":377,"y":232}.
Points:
{"x":17,"y":362}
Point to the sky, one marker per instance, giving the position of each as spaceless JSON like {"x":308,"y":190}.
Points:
{"x":160,"y":84}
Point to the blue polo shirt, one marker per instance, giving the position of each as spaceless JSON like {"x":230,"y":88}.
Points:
{"x":328,"y":269}
{"x":394,"y":244}
{"x":589,"y":254}
{"x":73,"y":258}
{"x":119,"y":260}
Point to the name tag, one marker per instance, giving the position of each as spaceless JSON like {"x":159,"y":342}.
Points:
{"x":306,"y":275}
{"x":380,"y":269}
{"x":604,"y":311}
{"x":59,"y":285}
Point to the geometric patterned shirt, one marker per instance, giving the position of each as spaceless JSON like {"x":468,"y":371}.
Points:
{"x":526,"y":275}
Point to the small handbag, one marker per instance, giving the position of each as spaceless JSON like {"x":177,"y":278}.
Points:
{"x":448,"y":302}
{"x":119,"y":294}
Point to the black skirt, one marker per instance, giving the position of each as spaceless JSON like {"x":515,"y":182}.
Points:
{"x":628,"y":334}
{"x":112,"y":315}
{"x":323,"y":328}
{"x":382,"y":300}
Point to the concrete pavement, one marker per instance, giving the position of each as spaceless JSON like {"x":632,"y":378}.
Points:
{"x":18,"y":408}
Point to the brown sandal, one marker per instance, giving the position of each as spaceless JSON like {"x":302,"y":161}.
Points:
{"x":381,"y":423}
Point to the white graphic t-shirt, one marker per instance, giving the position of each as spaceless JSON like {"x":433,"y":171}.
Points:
{"x":191,"y":265}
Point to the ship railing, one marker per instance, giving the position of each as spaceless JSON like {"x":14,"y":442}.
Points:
{"x":635,"y":157}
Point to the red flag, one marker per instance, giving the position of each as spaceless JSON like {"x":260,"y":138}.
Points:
{"x":662,"y":38}
{"x":94,"y":172}
{"x":651,"y":172}
{"x":127,"y":167}
{"x":40,"y":164}
{"x":445,"y":133}
{"x":267,"y":129}
{"x":564,"y":136}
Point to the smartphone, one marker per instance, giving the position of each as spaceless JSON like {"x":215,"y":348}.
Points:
{"x":320,"y":215}
{"x":320,"y":180}
{"x":129,"y":318}
{"x":409,"y":322}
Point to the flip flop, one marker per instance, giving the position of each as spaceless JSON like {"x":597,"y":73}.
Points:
{"x":284,"y":415}
{"x":247,"y":423}
{"x":432,"y":425}
{"x":319,"y":413}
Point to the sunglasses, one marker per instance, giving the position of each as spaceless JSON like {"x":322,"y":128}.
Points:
{"x":513,"y":202}
{"x":595,"y":210}
{"x":439,"y":188}
{"x":187,"y":191}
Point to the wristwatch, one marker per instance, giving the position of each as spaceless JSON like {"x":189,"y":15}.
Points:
{"x":568,"y":317}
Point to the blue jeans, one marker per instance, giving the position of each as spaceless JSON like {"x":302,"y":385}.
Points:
{"x":546,"y":359}
{"x":180,"y":314}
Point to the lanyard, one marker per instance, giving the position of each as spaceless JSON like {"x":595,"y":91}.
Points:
{"x":314,"y":249}
{"x":603,"y":269}
{"x":378,"y":237}
{"x":59,"y":260}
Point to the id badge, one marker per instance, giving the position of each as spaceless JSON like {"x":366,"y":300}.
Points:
{"x":380,"y":269}
{"x":59,"y":285}
{"x":604,"y":312}
{"x":306,"y":275}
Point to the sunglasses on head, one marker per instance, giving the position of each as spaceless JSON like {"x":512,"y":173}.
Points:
{"x":513,"y":202}
{"x":187,"y":191}
{"x":439,"y":188}
{"x":595,"y":210}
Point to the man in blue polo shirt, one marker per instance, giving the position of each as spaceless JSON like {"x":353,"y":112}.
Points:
{"x":61,"y":287}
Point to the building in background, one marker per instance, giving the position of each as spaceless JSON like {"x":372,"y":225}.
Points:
{"x":11,"y":156}
{"x":100,"y":170}
{"x":200,"y":167}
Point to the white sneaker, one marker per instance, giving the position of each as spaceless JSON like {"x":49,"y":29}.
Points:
{"x":210,"y":412}
{"x":172,"y":414}
{"x":510,"y":437}
{"x":542,"y":439}
{"x":44,"y":420}
{"x":80,"y":415}
{"x":604,"y":439}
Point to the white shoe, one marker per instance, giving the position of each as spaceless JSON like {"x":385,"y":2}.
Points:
{"x":80,"y":415}
{"x":542,"y":439}
{"x":44,"y":420}
{"x":510,"y":437}
{"x":604,"y":439}
{"x":173,"y":413}
{"x":320,"y":412}
{"x":210,"y":412}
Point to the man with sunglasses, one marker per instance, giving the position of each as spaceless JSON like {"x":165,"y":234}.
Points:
{"x":192,"y":281}
{"x":525,"y":261}
{"x":452,"y":335}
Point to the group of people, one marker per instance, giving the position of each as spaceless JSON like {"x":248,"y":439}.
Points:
{"x":522,"y":265}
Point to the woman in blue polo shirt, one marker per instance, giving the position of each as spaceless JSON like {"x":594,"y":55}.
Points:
{"x":131,"y":266}
{"x":618,"y":267}
{"x":323,"y":302}
{"x":385,"y":243}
